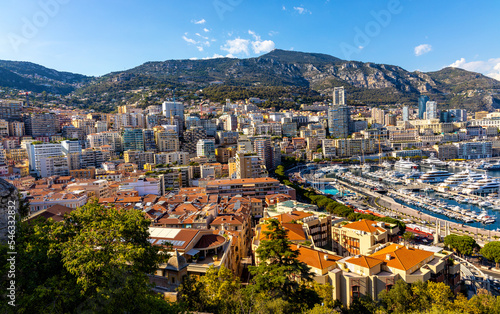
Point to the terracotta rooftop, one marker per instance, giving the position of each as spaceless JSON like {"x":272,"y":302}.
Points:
{"x":315,"y":258}
{"x":401,"y":257}
{"x":365,"y":225}
{"x":364,"y":261}
{"x":210,"y":240}
{"x":295,"y":232}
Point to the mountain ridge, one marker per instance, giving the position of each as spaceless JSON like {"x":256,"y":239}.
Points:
{"x":320,"y":72}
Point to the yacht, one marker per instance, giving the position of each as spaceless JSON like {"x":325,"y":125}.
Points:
{"x":492,"y":167}
{"x":385,"y":164}
{"x":464,"y":176}
{"x":483,"y":186}
{"x":433,"y":161}
{"x":405,"y":164}
{"x":434,"y":176}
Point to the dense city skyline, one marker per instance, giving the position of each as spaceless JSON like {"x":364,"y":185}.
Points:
{"x":96,"y":38}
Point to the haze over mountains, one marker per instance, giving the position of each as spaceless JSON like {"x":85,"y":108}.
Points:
{"x":365,"y":82}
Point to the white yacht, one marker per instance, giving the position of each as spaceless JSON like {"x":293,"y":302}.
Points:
{"x":464,"y":176}
{"x":386,"y":164}
{"x":405,"y":164}
{"x":434,"y":176}
{"x":433,"y":161}
{"x":483,"y":186}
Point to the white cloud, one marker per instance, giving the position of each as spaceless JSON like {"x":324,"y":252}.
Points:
{"x":302,"y":10}
{"x":189,"y":40}
{"x":200,"y":48}
{"x":490,"y":68}
{"x":204,"y":37}
{"x":262,"y":46}
{"x":202,"y":21}
{"x":254,"y":35}
{"x":206,"y":30}
{"x":273,"y":33}
{"x":283,"y":8}
{"x":361,"y":47}
{"x":422,"y":49}
{"x":236,"y":46}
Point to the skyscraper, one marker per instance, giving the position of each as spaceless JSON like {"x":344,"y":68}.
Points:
{"x":133,"y":139}
{"x":338,"y":96}
{"x":406,"y":113}
{"x":431,"y":110}
{"x":422,"y":101}
{"x":338,"y":121}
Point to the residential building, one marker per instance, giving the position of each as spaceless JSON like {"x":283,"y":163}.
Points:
{"x":54,"y":166}
{"x":142,"y":185}
{"x":41,"y":124}
{"x":111,"y":138}
{"x":255,"y":187}
{"x":339,"y":121}
{"x":70,"y":147}
{"x":171,"y":109}
{"x":474,"y":150}
{"x":166,"y":140}
{"x":431,"y":110}
{"x":422,"y":105}
{"x":139,"y":158}
{"x":206,"y":148}
{"x":149,"y":140}
{"x":133,"y":139}
{"x":348,"y":147}
{"x":181,"y":158}
{"x":248,"y":166}
{"x":40,"y":150}
{"x":11,"y":110}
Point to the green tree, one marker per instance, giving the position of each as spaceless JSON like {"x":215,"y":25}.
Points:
{"x":463,"y":245}
{"x":279,"y":273}
{"x":491,"y":251}
{"x":408,"y":237}
{"x":90,"y":262}
{"x":220,"y":288}
{"x":398,"y":299}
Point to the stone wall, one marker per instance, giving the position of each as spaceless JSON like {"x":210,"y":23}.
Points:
{"x":9,"y":202}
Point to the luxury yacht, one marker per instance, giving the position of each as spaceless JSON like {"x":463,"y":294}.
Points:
{"x":434,"y":176}
{"x":464,"y":176}
{"x":405,"y":164}
{"x":483,"y":186}
{"x":493,"y":167}
{"x":433,"y":161}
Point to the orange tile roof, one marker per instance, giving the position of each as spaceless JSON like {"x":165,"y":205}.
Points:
{"x":364,"y":261}
{"x":401,"y":257}
{"x":295,"y":232}
{"x":289,"y":217}
{"x":364,"y":225}
{"x":315,"y":258}
{"x":230,"y":220}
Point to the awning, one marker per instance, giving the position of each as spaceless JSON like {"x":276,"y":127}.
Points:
{"x":192,"y":252}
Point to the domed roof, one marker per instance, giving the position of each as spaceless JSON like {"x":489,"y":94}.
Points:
{"x":177,"y":261}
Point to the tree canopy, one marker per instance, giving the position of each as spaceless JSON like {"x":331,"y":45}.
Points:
{"x":491,"y":251}
{"x":96,"y":260}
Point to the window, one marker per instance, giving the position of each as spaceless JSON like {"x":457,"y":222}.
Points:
{"x":356,"y":291}
{"x":388,"y":287}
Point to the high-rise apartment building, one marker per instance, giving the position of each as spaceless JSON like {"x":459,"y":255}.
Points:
{"x":166,"y":140}
{"x":431,"y":110}
{"x":11,"y":110}
{"x":149,"y":140}
{"x":191,"y":138}
{"x":422,"y":102}
{"x":41,"y":124}
{"x":133,"y":139}
{"x":339,"y":118}
{"x":173,"y":108}
{"x":406,"y":113}
{"x":40,"y":150}
{"x":338,"y":96}
{"x":54,"y":166}
{"x":206,"y":148}
{"x":111,"y":138}
{"x":247,"y":166}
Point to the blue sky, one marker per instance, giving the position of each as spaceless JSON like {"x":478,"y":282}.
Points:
{"x":97,"y":37}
